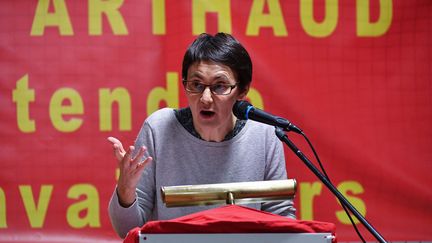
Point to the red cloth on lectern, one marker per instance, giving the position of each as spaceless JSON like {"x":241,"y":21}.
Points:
{"x":231,"y":219}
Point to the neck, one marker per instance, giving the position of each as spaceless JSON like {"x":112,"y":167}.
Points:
{"x":216,"y":134}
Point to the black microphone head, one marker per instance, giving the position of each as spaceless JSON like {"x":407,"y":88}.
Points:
{"x":240,"y":109}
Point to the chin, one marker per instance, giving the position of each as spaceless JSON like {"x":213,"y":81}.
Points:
{"x":208,"y":124}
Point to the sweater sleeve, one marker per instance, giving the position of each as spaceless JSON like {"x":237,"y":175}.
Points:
{"x":276,"y":170}
{"x":125,"y":219}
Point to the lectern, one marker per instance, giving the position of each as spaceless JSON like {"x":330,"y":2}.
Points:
{"x":238,"y":238}
{"x":232,"y":223}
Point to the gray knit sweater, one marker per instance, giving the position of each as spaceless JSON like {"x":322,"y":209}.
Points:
{"x":179,"y":158}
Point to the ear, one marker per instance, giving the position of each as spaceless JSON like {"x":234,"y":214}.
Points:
{"x":243,"y":93}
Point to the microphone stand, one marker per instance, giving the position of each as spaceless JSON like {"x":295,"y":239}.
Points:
{"x":284,"y":138}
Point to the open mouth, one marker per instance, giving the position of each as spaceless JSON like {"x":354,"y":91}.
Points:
{"x":207,"y":114}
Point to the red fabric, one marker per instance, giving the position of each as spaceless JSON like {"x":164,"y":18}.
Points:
{"x":132,"y":236}
{"x":233,"y":219}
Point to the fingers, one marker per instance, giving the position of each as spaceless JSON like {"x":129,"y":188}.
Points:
{"x":116,"y":142}
{"x":126,"y":161}
{"x":118,"y":149}
{"x":135,"y":163}
{"x":131,"y":168}
{"x":141,"y":165}
{"x":140,"y":154}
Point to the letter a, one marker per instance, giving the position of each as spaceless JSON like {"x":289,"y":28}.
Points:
{"x":59,"y":18}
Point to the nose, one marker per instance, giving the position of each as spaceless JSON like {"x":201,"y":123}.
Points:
{"x":206,"y":96}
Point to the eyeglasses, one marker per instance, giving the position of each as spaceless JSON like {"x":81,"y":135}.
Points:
{"x":195,"y":87}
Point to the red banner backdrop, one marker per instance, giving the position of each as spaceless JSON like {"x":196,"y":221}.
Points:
{"x":355,"y":75}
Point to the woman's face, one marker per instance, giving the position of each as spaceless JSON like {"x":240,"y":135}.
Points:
{"x":212,"y":114}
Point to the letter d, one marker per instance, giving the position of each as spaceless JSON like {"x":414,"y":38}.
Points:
{"x":170,"y":95}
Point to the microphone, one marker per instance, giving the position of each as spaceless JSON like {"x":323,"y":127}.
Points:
{"x":244,"y":110}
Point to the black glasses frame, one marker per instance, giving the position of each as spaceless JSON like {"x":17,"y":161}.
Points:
{"x":211,"y":86}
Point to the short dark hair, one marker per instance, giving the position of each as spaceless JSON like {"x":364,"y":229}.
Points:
{"x":221,"y":48}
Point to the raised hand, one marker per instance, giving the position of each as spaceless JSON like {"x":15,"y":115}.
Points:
{"x":131,"y":169}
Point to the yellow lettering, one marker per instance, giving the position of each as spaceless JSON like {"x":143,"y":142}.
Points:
{"x":97,"y":8}
{"x":255,"y":98}
{"x":365,"y":27}
{"x":22,"y":96}
{"x":106,"y":100}
{"x":36,"y":213}
{"x":3,"y":223}
{"x":170,"y":94}
{"x":117,"y":174}
{"x":90,"y":204}
{"x":59,"y":18}
{"x":201,"y":7}
{"x":57,"y":110}
{"x":327,"y":26}
{"x":307,"y":193}
{"x":158,"y":17}
{"x":274,"y":19}
{"x":355,"y":188}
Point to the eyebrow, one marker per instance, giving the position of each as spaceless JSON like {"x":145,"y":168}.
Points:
{"x":221,"y":77}
{"x":218,"y":78}
{"x":195,"y":75}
